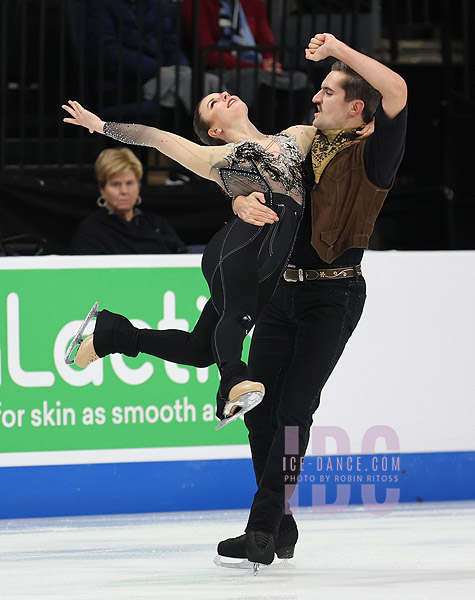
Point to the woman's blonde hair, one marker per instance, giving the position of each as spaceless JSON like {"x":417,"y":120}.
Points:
{"x":114,"y":161}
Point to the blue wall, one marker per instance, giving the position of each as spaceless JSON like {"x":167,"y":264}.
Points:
{"x":215,"y":484}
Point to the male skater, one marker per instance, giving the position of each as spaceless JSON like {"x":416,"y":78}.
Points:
{"x":302,"y":332}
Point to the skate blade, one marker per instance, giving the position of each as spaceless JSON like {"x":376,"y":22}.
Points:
{"x":233,"y":563}
{"x":247,"y":402}
{"x":244,"y":564}
{"x":77,"y":339}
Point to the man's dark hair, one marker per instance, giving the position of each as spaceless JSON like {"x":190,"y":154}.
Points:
{"x":201,"y":127}
{"x":357,"y":88}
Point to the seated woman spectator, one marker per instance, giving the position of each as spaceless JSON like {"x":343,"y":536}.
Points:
{"x":120,"y":226}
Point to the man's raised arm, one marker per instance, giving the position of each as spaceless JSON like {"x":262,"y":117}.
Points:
{"x":391,"y":85}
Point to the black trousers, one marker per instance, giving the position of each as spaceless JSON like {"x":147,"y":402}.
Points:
{"x":242,"y":265}
{"x":296,"y":344}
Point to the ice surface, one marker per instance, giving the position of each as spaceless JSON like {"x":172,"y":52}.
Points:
{"x":419,"y":551}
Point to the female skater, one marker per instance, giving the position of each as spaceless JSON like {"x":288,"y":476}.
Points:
{"x":242,"y":263}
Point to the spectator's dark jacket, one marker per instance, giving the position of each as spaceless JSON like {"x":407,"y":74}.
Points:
{"x":132,"y":40}
{"x":146,"y":233}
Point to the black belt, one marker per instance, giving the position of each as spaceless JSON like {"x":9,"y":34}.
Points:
{"x":294,"y":275}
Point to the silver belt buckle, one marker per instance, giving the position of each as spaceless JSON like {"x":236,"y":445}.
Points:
{"x":288,"y":279}
{"x":300,"y":276}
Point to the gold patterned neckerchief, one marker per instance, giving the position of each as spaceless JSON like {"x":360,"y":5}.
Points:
{"x":326,"y":144}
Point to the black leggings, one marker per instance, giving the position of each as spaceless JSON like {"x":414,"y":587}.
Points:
{"x":242,"y":265}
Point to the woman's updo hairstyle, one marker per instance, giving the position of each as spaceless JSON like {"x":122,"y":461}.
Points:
{"x":201,"y":127}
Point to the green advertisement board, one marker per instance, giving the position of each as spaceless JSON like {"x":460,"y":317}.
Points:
{"x":117,"y":402}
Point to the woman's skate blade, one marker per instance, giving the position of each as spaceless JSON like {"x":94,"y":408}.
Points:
{"x":77,"y":340}
{"x":247,"y":402}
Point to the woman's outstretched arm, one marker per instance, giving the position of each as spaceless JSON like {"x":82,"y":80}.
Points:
{"x":196,"y":158}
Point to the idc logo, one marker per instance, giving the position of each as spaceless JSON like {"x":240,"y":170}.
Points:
{"x":336,"y":480}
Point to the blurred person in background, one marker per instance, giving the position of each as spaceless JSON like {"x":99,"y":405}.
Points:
{"x":229,"y":24}
{"x":134,"y":43}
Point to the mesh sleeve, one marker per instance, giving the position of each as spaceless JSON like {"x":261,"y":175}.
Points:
{"x":304,"y":135}
{"x":196,"y":158}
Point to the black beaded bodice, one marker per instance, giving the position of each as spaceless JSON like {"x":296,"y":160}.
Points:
{"x":251,"y":167}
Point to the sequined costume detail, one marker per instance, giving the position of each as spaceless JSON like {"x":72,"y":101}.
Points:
{"x":126,"y":133}
{"x":253,"y":168}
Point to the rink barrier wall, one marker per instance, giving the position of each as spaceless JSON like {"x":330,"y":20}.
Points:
{"x":137,"y":435}
{"x":65,"y":490}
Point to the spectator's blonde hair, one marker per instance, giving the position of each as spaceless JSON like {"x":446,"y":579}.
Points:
{"x":114,"y":161}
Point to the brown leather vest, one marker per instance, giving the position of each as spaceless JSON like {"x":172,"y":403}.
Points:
{"x":344,"y":204}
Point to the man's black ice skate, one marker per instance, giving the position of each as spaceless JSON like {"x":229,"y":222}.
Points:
{"x":260,"y":548}
{"x":255,"y":546}
{"x":284,"y":543}
{"x":286,"y":538}
{"x":233,"y":547}
{"x":242,"y":398}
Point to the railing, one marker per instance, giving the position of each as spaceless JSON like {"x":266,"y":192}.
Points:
{"x":44,"y":46}
{"x":45,"y":60}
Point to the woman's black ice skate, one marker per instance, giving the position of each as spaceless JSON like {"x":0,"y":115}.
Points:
{"x":242,"y":398}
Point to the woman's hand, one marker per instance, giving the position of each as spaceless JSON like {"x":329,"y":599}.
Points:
{"x":81,"y":116}
{"x":252,"y":209}
{"x":365,"y":132}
